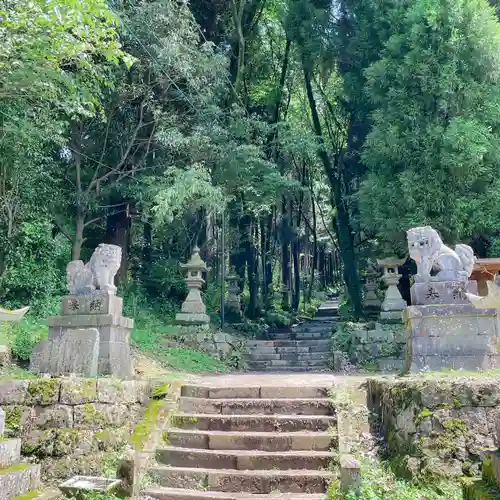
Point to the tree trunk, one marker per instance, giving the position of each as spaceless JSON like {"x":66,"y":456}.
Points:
{"x":76,"y":248}
{"x":118,"y":233}
{"x":314,"y":249}
{"x":344,"y":233}
{"x":285,"y":259}
{"x":296,"y":274}
{"x":147,"y":250}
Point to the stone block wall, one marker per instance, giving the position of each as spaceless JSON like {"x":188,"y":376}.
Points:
{"x":68,"y":424}
{"x":437,"y":426}
{"x":376,"y":345}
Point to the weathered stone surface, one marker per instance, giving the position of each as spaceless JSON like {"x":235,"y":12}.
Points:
{"x":97,"y":274}
{"x":92,"y":304}
{"x":446,"y":292}
{"x":111,"y":390}
{"x":19,"y":479}
{"x":77,"y":391}
{"x":350,"y":474}
{"x":98,"y":416}
{"x":43,"y":392}
{"x":428,"y":251}
{"x":56,"y":416}
{"x":78,"y":485}
{"x":10,"y":452}
{"x":2,"y":422}
{"x":57,"y":323}
{"x":74,"y":351}
{"x":115,"y":359}
{"x":452,"y":336}
{"x":5,"y":355}
{"x":445,"y":424}
{"x":13,"y":391}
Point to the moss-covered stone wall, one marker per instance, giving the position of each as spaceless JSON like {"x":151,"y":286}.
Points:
{"x":437,"y":426}
{"x":71,"y":425}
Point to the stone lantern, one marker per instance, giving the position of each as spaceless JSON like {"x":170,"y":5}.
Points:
{"x":193,"y":311}
{"x":371,"y":300}
{"x":393,"y":302}
{"x":233,"y":303}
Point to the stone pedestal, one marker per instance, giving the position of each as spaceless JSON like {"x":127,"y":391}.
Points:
{"x":393,"y":303}
{"x":451,"y":336}
{"x":442,"y":292}
{"x":193,"y":310}
{"x":91,"y":337}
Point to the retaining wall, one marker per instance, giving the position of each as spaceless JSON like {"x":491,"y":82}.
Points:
{"x":442,"y":426}
{"x":71,"y":425}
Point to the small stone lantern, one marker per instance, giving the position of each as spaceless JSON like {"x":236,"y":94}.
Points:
{"x":393,"y":302}
{"x":233,"y":303}
{"x":193,"y":310}
{"x":371,"y":284}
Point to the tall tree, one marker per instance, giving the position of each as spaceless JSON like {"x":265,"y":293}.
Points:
{"x":432,"y":151}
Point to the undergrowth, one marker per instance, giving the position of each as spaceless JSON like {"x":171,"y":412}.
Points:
{"x":379,"y":483}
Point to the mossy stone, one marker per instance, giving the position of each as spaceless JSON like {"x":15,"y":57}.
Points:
{"x":78,"y":391}
{"x":147,"y":424}
{"x":43,"y":392}
{"x":13,"y":418}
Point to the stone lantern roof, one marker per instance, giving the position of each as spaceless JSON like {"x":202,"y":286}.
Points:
{"x":195,"y":263}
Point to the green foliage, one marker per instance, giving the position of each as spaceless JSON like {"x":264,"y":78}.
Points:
{"x":49,"y":51}
{"x":35,"y":269}
{"x":435,"y":93}
{"x":278,"y":318}
{"x":190,"y":189}
{"x":379,"y":483}
{"x":343,"y":337}
{"x":26,"y":335}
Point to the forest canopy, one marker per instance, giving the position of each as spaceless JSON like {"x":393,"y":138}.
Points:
{"x":313,"y":133}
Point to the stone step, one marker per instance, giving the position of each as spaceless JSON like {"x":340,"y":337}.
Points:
{"x":181,"y":494}
{"x":256,"y":392}
{"x":303,"y":343}
{"x":19,"y":479}
{"x":243,"y":459}
{"x":317,"y":406}
{"x":228,"y":480}
{"x":10,"y":452}
{"x":263,"y":423}
{"x":302,"y":350}
{"x":291,"y":356}
{"x":264,"y":441}
{"x":289,"y":369}
{"x":285,"y":363}
{"x":325,"y":319}
{"x":315,"y":326}
{"x":304,"y":335}
{"x":270,"y":346}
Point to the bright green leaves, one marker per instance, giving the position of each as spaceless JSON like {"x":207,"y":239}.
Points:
{"x":53,"y":50}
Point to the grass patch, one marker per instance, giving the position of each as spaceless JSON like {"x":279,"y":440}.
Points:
{"x":379,"y":483}
{"x":189,"y":360}
{"x":449,"y":373}
{"x":150,"y":335}
{"x":15,"y":372}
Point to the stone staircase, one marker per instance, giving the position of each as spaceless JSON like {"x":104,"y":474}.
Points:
{"x":16,"y":478}
{"x":305,"y":348}
{"x":247,"y":443}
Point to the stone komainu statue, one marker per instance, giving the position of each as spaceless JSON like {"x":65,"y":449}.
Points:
{"x":98,"y":274}
{"x":432,"y":255}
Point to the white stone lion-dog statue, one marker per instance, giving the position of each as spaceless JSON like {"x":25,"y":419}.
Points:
{"x":432,"y":255}
{"x":98,"y":274}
